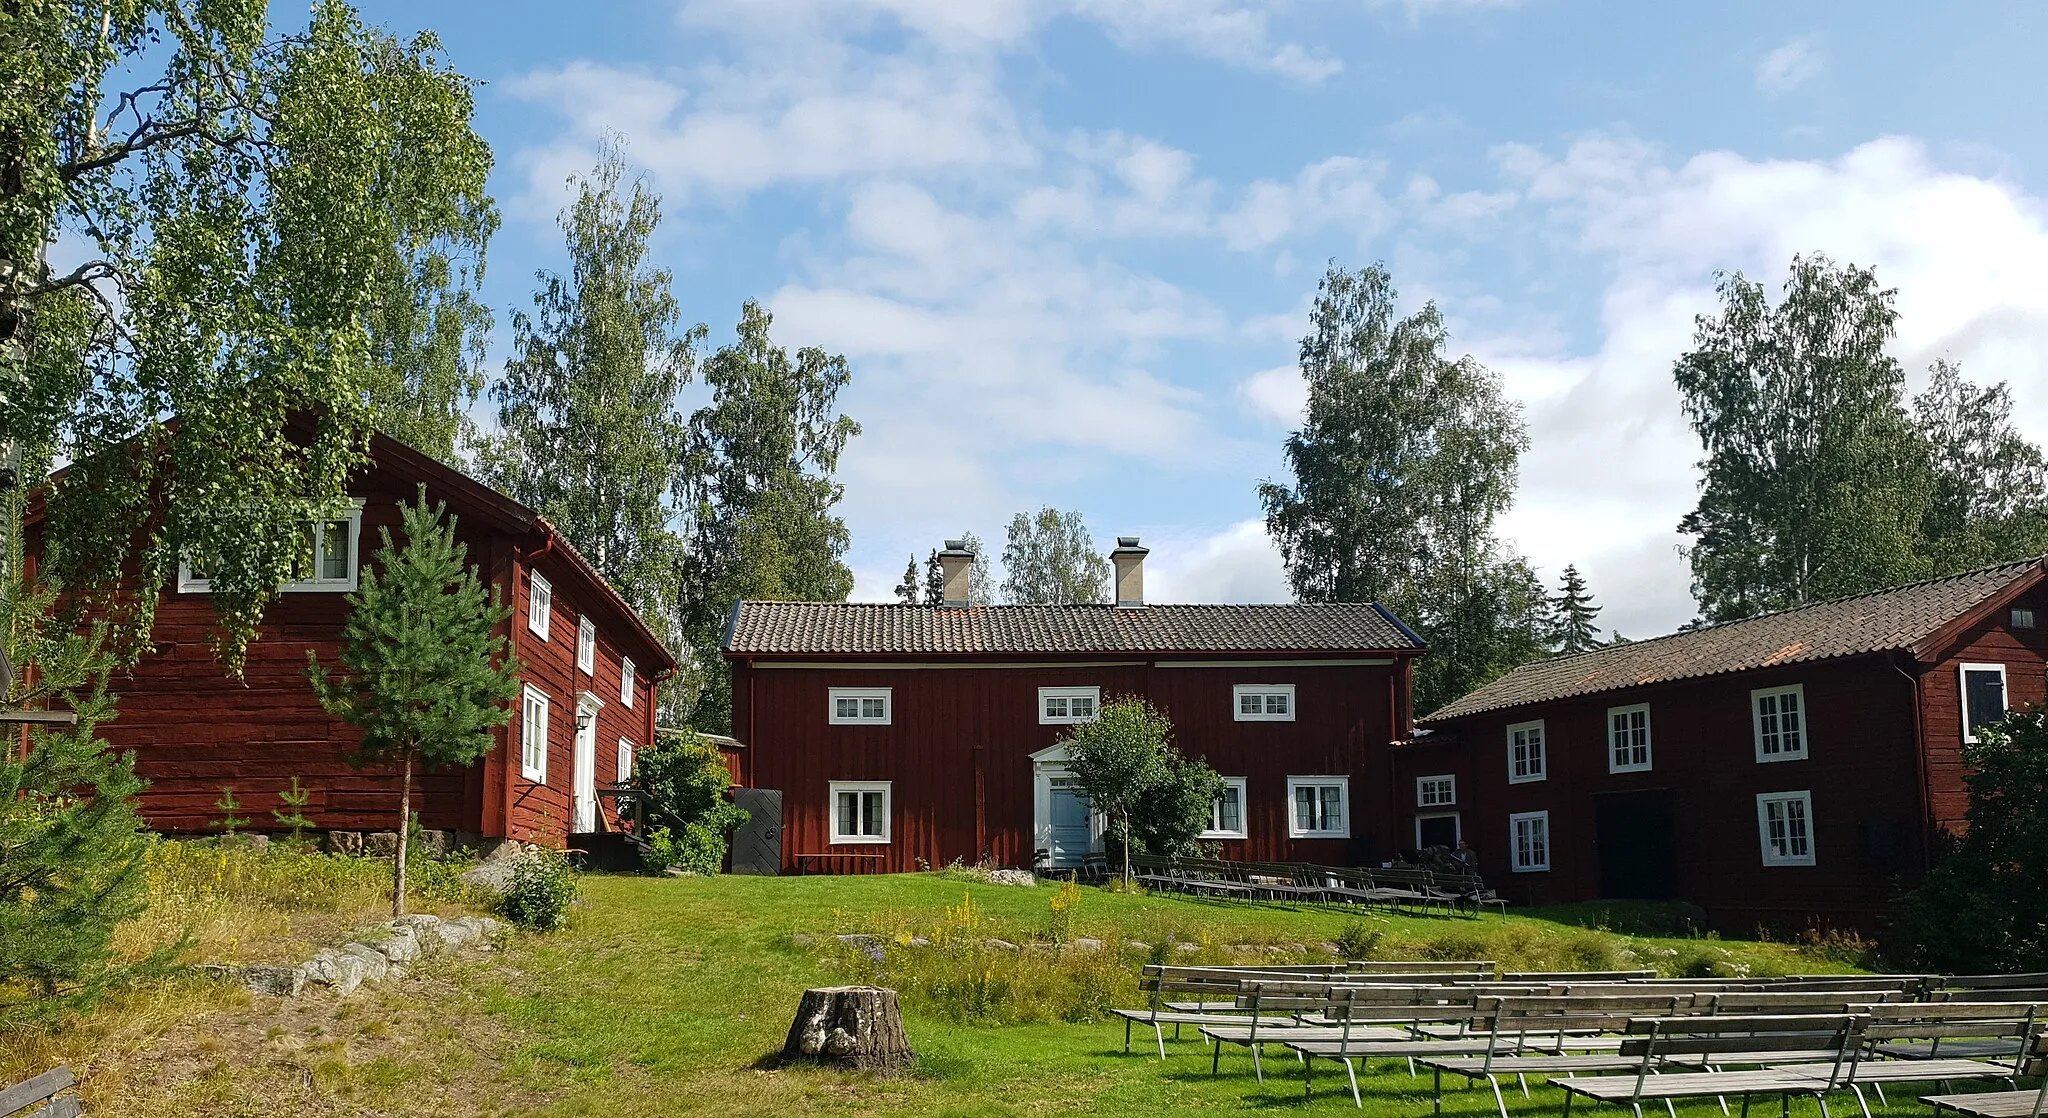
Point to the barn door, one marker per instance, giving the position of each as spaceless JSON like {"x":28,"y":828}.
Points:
{"x":1638,"y":845}
{"x":757,"y":843}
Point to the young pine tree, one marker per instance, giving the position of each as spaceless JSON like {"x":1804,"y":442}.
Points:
{"x":1572,"y":614}
{"x":910,"y":591}
{"x":72,"y":847}
{"x":427,"y":679}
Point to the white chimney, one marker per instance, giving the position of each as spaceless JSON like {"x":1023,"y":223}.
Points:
{"x":1129,"y":560}
{"x":956,"y":570}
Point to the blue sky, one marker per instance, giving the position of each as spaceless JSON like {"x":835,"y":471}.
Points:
{"x":1068,"y":245}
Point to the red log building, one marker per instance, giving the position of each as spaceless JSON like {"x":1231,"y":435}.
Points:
{"x":1787,"y":771}
{"x":930,"y":733}
{"x":589,"y":669}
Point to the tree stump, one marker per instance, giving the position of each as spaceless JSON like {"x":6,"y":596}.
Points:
{"x":852,"y":1026}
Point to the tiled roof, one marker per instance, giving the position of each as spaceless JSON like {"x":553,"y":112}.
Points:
{"x":860,"y":628}
{"x":1899,"y":617}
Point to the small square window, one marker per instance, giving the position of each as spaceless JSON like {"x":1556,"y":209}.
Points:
{"x":1527,"y":761}
{"x":1264,"y":702}
{"x":859,"y":706}
{"x":1068,"y":705}
{"x":1319,"y":806}
{"x":540,"y":602}
{"x":860,"y":811}
{"x":1784,"y":823}
{"x":1779,"y":720}
{"x":1435,"y":791}
{"x":533,"y":736}
{"x":2022,"y":617}
{"x":1226,"y":813}
{"x":626,"y":682}
{"x":1628,"y":739}
{"x":1529,"y":841}
{"x":586,"y":646}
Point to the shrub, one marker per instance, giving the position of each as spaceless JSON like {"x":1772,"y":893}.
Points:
{"x":1061,"y":908}
{"x":543,"y":888}
{"x":685,"y":781}
{"x":1358,"y":940}
{"x":692,"y":848}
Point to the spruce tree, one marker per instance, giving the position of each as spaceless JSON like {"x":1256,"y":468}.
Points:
{"x":72,"y":846}
{"x":910,"y":591}
{"x":1572,"y":614}
{"x":934,"y":580}
{"x":427,"y":677}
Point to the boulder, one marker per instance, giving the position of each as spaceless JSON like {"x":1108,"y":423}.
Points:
{"x":285,"y":982}
{"x":345,"y":842}
{"x":348,"y":973}
{"x":435,"y":843}
{"x":994,"y":944}
{"x":375,"y":965}
{"x":1011,"y":877}
{"x":495,"y":871}
{"x":381,"y":844}
{"x":451,"y":935}
{"x":402,"y":947}
{"x":1187,"y":948}
{"x":1085,"y":943}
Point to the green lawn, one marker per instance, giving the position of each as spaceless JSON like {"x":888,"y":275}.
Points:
{"x":666,"y":996}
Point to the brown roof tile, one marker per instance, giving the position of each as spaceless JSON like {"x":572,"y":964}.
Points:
{"x":1895,"y":618}
{"x":767,"y":628}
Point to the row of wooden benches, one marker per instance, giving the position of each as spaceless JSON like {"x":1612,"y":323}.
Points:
{"x":1808,"y":1036}
{"x":1303,"y":882}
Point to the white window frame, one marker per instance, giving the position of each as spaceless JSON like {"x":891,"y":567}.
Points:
{"x":627,"y":680}
{"x":1239,"y":691}
{"x":1515,"y":861}
{"x":864,"y":788}
{"x":624,"y":764}
{"x":1963,"y":693}
{"x":1756,"y":723}
{"x":1448,"y":780}
{"x":188,"y":583}
{"x":1541,"y":770}
{"x":1614,"y":747}
{"x":1341,"y":783}
{"x":1069,"y":694}
{"x":886,"y":694}
{"x":534,"y":732}
{"x":540,"y":603}
{"x":1213,"y":831}
{"x":1763,"y":827}
{"x":586,"y":646}
{"x":1457,"y":816}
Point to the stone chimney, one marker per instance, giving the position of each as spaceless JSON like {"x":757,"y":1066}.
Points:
{"x":1129,"y":560}
{"x":956,"y":569}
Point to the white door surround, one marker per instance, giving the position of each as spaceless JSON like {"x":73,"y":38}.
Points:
{"x":1049,"y":767}
{"x":583,"y":797}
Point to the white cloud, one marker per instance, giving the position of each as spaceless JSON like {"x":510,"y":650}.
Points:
{"x":1342,"y":191}
{"x":1277,"y":395}
{"x":1227,"y":32}
{"x":1238,"y":564}
{"x":1790,"y":66}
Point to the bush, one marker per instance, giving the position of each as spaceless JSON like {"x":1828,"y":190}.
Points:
{"x":1358,"y":940}
{"x":543,"y":888}
{"x":686,"y":781}
{"x":692,"y":848}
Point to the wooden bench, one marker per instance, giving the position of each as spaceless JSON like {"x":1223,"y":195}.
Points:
{"x":53,"y":1090}
{"x":1654,"y":1040}
{"x":1158,"y":983}
{"x":855,"y":863}
{"x":1558,"y":1025}
{"x":2002,"y":1104}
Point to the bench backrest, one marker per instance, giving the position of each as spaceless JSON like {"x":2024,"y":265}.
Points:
{"x":1990,"y":981}
{"x":1420,"y":966}
{"x":1575,"y":975}
{"x":1794,"y":1001}
{"x":1938,"y":1021}
{"x":1653,"y":1038}
{"x":44,"y":1088}
{"x":1603,"y":1013}
{"x":1993,"y":994}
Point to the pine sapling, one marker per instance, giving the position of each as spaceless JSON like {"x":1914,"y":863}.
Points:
{"x":228,"y":822}
{"x":292,"y":816}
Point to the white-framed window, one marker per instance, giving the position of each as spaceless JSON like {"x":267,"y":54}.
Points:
{"x":2022,"y":617}
{"x":533,"y":735}
{"x":1784,"y":823}
{"x":1526,"y":756}
{"x":1063,"y":706}
{"x":1778,"y":714}
{"x":1319,"y":807}
{"x":1436,"y":791}
{"x":1529,"y":841}
{"x":860,"y":706}
{"x":625,"y":761}
{"x":540,"y":603}
{"x":586,"y":646}
{"x":860,"y":811}
{"x":1628,"y":739}
{"x":1226,"y":813}
{"x":626,"y":682}
{"x":332,"y":549}
{"x":1263,"y":702}
{"x":1983,"y":691}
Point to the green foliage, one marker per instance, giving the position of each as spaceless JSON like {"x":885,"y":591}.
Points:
{"x":686,"y":783}
{"x":71,"y":842}
{"x":763,"y":458}
{"x":1152,"y":796}
{"x":1358,"y":940}
{"x":1984,"y":906}
{"x":542,"y":891}
{"x":1060,"y":912}
{"x":1405,"y":460}
{"x":228,"y":822}
{"x":592,"y":434}
{"x":980,"y":579}
{"x":1990,"y":499}
{"x":427,"y":678}
{"x":292,"y":815}
{"x":236,"y":207}
{"x":1572,"y":612}
{"x":1051,"y":560}
{"x":692,"y":848}
{"x":910,"y":591}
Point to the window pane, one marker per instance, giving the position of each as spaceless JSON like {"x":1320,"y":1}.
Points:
{"x":1333,"y":808}
{"x":1276,"y":704}
{"x":334,"y":550}
{"x":1055,"y":706}
{"x":1984,"y":697}
{"x":1248,"y":704}
{"x":1084,"y":706}
{"x":1229,"y":812}
{"x":1304,"y":809}
{"x":871,"y":708}
{"x":871,"y":814}
{"x":846,"y":708}
{"x":849,"y":807}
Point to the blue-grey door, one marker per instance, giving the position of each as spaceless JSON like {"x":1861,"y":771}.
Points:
{"x":1070,"y":839}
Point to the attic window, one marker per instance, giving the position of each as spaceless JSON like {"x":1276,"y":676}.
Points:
{"x":2022,"y":617}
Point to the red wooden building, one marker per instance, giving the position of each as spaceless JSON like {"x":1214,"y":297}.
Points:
{"x":1787,"y":771}
{"x":933,"y":732}
{"x":589,"y":671}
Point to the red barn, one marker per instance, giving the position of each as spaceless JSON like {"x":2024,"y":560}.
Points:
{"x":589,"y":668}
{"x":906,"y":734}
{"x":1787,"y":771}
